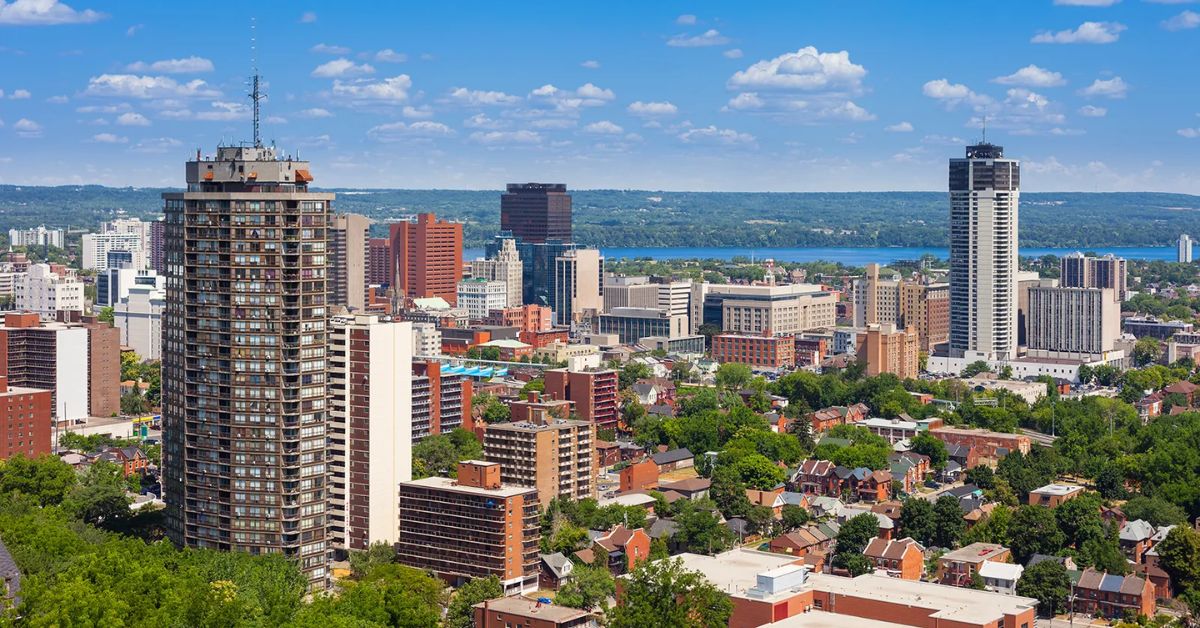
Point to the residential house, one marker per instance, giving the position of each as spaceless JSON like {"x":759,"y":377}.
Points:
{"x":639,"y":476}
{"x":665,"y":530}
{"x":825,"y":506}
{"x":890,"y":509}
{"x":133,"y":461}
{"x":1185,"y":388}
{"x":1113,"y":515}
{"x":816,"y":477}
{"x":607,"y":454}
{"x":802,"y":542}
{"x":898,"y":558}
{"x":1110,"y":595}
{"x":827,"y":418}
{"x":556,"y":569}
{"x":908,"y":468}
{"x":1001,"y":577}
{"x":886,"y":526}
{"x":1053,"y":495}
{"x":875,"y":486}
{"x":691,"y":488}
{"x":625,"y":548}
{"x":1135,"y":539}
{"x":527,"y":613}
{"x":673,"y":459}
{"x":958,"y":567}
{"x":965,"y":454}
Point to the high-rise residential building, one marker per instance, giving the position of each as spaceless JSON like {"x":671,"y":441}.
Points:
{"x":783,"y":310}
{"x":427,"y":340}
{"x":245,"y":404}
{"x":984,"y":202}
{"x":79,"y":363}
{"x":504,"y":266}
{"x":593,"y":391}
{"x":427,"y":257}
{"x":1072,"y":323}
{"x":25,"y":420}
{"x":876,"y":300}
{"x":370,"y":428}
{"x":481,"y":296}
{"x":926,"y":308}
{"x":46,"y":289}
{"x":629,"y":291}
{"x":555,"y":456}
{"x":135,"y":226}
{"x":347,"y":274}
{"x":114,"y":284}
{"x":1183,"y":250}
{"x":1077,"y":270}
{"x":157,"y":231}
{"x":471,"y":527}
{"x":97,"y":245}
{"x":578,"y":281}
{"x":886,"y":349}
{"x":536,"y":212}
{"x":37,"y":236}
{"x":441,"y":399}
{"x":379,"y":257}
{"x":138,"y":317}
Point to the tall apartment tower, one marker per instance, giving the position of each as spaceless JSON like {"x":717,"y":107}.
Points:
{"x":555,"y":456}
{"x":427,"y":257}
{"x":244,"y":358}
{"x":1184,"y":249}
{"x":536,"y":212}
{"x":984,"y":199}
{"x":1080,"y":271}
{"x":504,"y":266}
{"x":378,"y":259}
{"x":370,"y":428}
{"x":578,"y":285}
{"x":348,"y":244}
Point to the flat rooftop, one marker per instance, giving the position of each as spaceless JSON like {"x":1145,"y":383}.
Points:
{"x":525,"y":607}
{"x":526,"y":426}
{"x":449,"y":484}
{"x":736,"y":570}
{"x":947,"y":602}
{"x":1057,"y":489}
{"x":821,"y":619}
{"x":975,"y":553}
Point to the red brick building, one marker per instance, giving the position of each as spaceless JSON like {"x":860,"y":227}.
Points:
{"x":526,"y":318}
{"x":594,"y":393}
{"x":426,"y":257}
{"x":989,"y":445}
{"x":625,"y":548}
{"x":1113,"y":596}
{"x":24,"y":420}
{"x":379,"y":255}
{"x":764,"y":351}
{"x":827,"y":418}
{"x":899,"y":558}
{"x":639,"y":476}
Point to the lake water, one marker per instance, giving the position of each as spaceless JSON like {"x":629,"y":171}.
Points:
{"x":848,"y":255}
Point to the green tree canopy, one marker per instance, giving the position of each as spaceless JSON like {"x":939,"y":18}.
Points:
{"x":663,"y":593}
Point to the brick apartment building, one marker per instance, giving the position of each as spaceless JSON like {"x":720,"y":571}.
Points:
{"x":471,"y":527}
{"x":594,"y":393}
{"x":526,"y":318}
{"x":555,"y":456}
{"x":24,"y":420}
{"x":764,"y":351}
{"x":989,"y":445}
{"x":426,"y":257}
{"x":507,"y":612}
{"x":78,"y":362}
{"x":441,"y":400}
{"x":886,"y":349}
{"x":379,"y":255}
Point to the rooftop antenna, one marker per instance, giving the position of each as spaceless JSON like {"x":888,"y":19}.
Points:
{"x":255,"y":95}
{"x":983,"y":141}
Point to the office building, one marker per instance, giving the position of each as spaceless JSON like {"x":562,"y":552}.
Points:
{"x":536,"y":212}
{"x":245,"y":405}
{"x":114,"y":284}
{"x":754,"y":310}
{"x":1143,"y":326}
{"x":480,"y":297}
{"x":763,"y":351}
{"x":97,"y":245}
{"x":347,"y":258}
{"x":427,"y":340}
{"x":25,"y":421}
{"x":1072,"y":323}
{"x":1077,"y":270}
{"x":926,"y":308}
{"x":1183,"y":249}
{"x":593,"y":391}
{"x":471,"y":527}
{"x":887,"y":349}
{"x":578,"y":280}
{"x":631,"y":324}
{"x":138,"y":318}
{"x":555,"y":456}
{"x":370,"y":428}
{"x":78,"y":362}
{"x":426,"y":257}
{"x":46,"y":289}
{"x":37,"y":236}
{"x":441,"y":399}
{"x":675,"y":297}
{"x":157,"y":232}
{"x":129,"y":226}
{"x":984,"y":203}
{"x":379,"y":257}
{"x":505,"y":266}
{"x":876,"y":300}
{"x":629,"y":291}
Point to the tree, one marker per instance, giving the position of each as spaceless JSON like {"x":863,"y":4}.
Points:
{"x":1146,"y":351}
{"x":1034,"y":531}
{"x":663,"y":593}
{"x":756,"y":471}
{"x":130,"y":365}
{"x":1156,"y":510}
{"x":99,"y":497}
{"x":632,"y":372}
{"x":854,"y":535}
{"x":1110,"y":482}
{"x":133,"y":404}
{"x":587,"y":589}
{"x":494,"y":411}
{"x":105,"y":315}
{"x":379,"y":553}
{"x":733,"y":376}
{"x":982,"y":476}
{"x":700,"y":530}
{"x":1079,"y":520}
{"x":928,"y":445}
{"x":1046,"y":582}
{"x":793,"y":517}
{"x":46,"y":478}
{"x":728,"y":491}
{"x":461,"y":613}
{"x":948,"y":524}
{"x":1086,"y":374}
{"x":975,"y":368}
{"x":917,"y":520}
{"x":1179,"y":556}
{"x":854,"y":563}
{"x":393,"y":595}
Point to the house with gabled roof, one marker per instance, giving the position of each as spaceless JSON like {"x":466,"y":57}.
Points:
{"x":625,"y":548}
{"x":1111,"y":595}
{"x":1134,"y":538}
{"x":816,"y":477}
{"x":898,"y":558}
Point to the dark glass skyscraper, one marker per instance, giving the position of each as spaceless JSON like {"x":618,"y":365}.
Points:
{"x":536,"y":212}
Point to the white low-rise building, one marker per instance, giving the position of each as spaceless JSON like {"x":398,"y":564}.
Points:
{"x":139,"y":317}
{"x":481,"y":296}
{"x":46,"y":289}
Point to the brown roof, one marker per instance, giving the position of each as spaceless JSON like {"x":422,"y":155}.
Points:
{"x":690,"y":485}
{"x":891,"y":510}
{"x":1133,"y":585}
{"x":672,"y":496}
{"x":816,"y":467}
{"x":1090,"y":579}
{"x":586,"y":556}
{"x":617,"y":538}
{"x":890,"y":549}
{"x":1182,"y":387}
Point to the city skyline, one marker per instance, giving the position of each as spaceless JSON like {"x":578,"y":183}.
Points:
{"x":674,"y":96}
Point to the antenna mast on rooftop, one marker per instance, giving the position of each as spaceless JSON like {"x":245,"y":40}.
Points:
{"x":983,"y":141}
{"x":256,"y":96}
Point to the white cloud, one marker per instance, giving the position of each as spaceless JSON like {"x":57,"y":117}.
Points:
{"x":899,"y":127}
{"x":942,"y":140}
{"x":393,"y":89}
{"x":591,"y":64}
{"x":399,"y":131}
{"x":846,"y":111}
{"x":733,"y":53}
{"x":554,"y":123}
{"x":276,"y":120}
{"x":308,"y":17}
{"x":117,"y":108}
{"x":687,"y":19}
{"x":1032,"y":76}
{"x":481,"y":121}
{"x":57,"y":100}
{"x":44,"y":13}
{"x":711,"y":134}
{"x":109,"y":138}
{"x":223,"y":111}
{"x":316,"y":112}
{"x":953,"y":94}
{"x":133,"y":30}
{"x":329,"y":49}
{"x":805,"y":69}
{"x":482,"y":98}
{"x":1087,"y":33}
{"x":1086,"y":3}
{"x":20,"y":94}
{"x":590,"y":91}
{"x":1184,"y":21}
{"x":745,"y":101}
{"x":133,"y":86}
{"x":604,"y":127}
{"x":500,"y":138}
{"x":423,"y":111}
{"x":567,"y":101}
{"x":650,"y":109}
{"x":132,"y":119}
{"x":27,"y":128}
{"x":387,"y":55}
{"x":1092,"y":111}
{"x":156,"y":145}
{"x":342,"y":67}
{"x":1189,"y":133}
{"x":187,"y":65}
{"x":710,"y":37}
{"x":1114,"y":87}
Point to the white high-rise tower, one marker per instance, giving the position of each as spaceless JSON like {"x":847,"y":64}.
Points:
{"x":984,"y":197}
{"x":1184,"y":252}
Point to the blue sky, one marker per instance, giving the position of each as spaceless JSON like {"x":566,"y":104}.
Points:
{"x":1093,"y":95}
